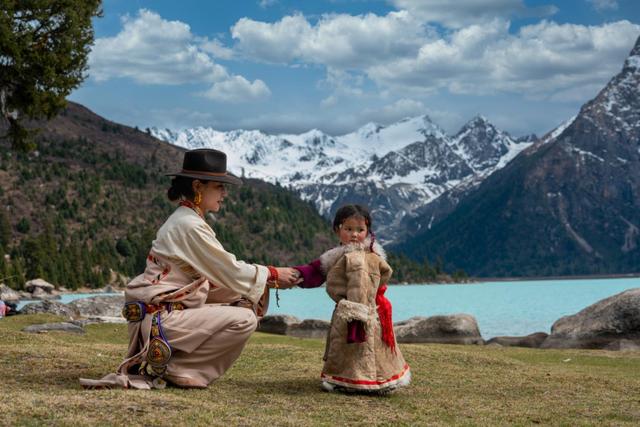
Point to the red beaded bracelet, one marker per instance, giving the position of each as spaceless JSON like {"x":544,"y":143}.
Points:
{"x":273,"y":274}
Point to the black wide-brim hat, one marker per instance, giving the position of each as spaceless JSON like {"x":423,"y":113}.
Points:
{"x":206,"y":164}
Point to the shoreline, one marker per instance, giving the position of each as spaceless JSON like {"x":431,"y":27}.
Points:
{"x":477,"y":280}
{"x":546,"y":278}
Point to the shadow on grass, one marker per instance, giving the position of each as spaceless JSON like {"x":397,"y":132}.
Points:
{"x":292,"y":387}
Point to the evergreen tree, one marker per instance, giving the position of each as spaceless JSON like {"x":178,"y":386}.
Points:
{"x":5,"y":231}
{"x":44,"y":45}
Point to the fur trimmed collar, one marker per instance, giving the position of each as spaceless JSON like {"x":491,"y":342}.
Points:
{"x":330,"y":257}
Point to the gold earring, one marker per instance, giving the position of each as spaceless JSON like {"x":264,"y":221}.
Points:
{"x":197,"y":199}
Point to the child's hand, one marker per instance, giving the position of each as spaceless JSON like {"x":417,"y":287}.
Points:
{"x":288,"y":277}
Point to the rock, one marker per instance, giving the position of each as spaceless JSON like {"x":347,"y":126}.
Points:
{"x":623,"y":345}
{"x":600,"y":325}
{"x":534,"y":340}
{"x":38,"y":292}
{"x":51,"y":307}
{"x":277,"y":324}
{"x":31,"y":285}
{"x":8,"y":294}
{"x":310,"y":328}
{"x":449,"y":329}
{"x":99,"y":319}
{"x":99,"y":306}
{"x":63,"y":326}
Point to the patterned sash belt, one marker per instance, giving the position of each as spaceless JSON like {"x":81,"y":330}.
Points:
{"x":159,"y":352}
{"x":136,"y":310}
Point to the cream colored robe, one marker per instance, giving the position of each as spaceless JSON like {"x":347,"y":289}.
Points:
{"x":188,"y":264}
{"x":354,"y":274}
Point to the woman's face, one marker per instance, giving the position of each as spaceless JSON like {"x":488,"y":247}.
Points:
{"x":213,"y":194}
{"x":352,"y":230}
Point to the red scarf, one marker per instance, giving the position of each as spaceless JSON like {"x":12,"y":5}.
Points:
{"x":384,"y":313}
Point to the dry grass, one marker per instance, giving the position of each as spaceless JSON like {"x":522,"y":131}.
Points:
{"x":275,"y":382}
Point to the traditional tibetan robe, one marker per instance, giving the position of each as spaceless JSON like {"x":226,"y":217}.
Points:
{"x":193,"y":279}
{"x":361,"y":352}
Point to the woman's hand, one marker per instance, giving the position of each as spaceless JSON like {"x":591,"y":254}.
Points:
{"x":287,"y":278}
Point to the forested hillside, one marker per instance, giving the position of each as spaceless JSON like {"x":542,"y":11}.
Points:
{"x":85,"y":206}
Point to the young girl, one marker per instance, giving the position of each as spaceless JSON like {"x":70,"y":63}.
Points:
{"x":361,"y":353}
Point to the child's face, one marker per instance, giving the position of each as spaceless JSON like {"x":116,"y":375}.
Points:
{"x":352,"y":230}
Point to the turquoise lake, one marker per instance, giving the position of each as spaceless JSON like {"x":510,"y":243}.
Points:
{"x":501,"y":308}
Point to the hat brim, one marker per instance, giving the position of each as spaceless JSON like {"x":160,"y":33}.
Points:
{"x":227,"y":179}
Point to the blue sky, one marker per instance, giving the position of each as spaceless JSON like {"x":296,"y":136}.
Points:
{"x":289,"y":66}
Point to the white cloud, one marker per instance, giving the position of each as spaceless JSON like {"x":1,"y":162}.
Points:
{"x":152,"y":50}
{"x":602,"y":5}
{"x":217,"y":49}
{"x":340,"y":41}
{"x":267,"y":3}
{"x":538,"y":61}
{"x":459,"y":13}
{"x":400,"y":109}
{"x":343,"y":84}
{"x":238,"y":89}
{"x":403,"y":56}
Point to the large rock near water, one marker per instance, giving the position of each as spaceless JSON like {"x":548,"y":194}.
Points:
{"x":534,"y":340}
{"x":8,"y":294}
{"x":99,"y":306}
{"x":310,"y":328}
{"x":277,"y":324}
{"x":449,"y":329}
{"x":42,"y":294}
{"x":601,"y":325}
{"x":50,"y":307}
{"x":34,"y":284}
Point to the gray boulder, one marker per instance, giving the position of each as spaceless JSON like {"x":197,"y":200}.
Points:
{"x":310,"y":328}
{"x":63,"y":326}
{"x":99,"y":306}
{"x":277,"y":324}
{"x":31,"y":285}
{"x":40,"y":293}
{"x":97,"y":320}
{"x":600,"y":325}
{"x":534,"y":340}
{"x":8,"y":294}
{"x":50,"y":307}
{"x":449,"y":329}
{"x":623,"y":345}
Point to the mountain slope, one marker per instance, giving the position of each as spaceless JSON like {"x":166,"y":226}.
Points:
{"x":89,"y":201}
{"x":567,"y":206}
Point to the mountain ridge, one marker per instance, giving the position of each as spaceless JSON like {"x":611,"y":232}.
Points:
{"x":394,"y":169}
{"x":569,"y":204}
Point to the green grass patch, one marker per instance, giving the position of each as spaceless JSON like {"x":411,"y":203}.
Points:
{"x":275,"y":382}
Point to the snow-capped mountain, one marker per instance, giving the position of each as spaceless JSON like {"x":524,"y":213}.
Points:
{"x":569,"y":204}
{"x":393,"y":169}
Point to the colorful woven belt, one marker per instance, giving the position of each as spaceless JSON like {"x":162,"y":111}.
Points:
{"x":136,"y":310}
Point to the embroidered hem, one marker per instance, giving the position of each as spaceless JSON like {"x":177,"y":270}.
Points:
{"x":401,"y":379}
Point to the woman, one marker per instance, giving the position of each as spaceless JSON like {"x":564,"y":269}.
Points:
{"x":193,"y":309}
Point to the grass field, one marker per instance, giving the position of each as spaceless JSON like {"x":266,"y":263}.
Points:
{"x":275,"y":382}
